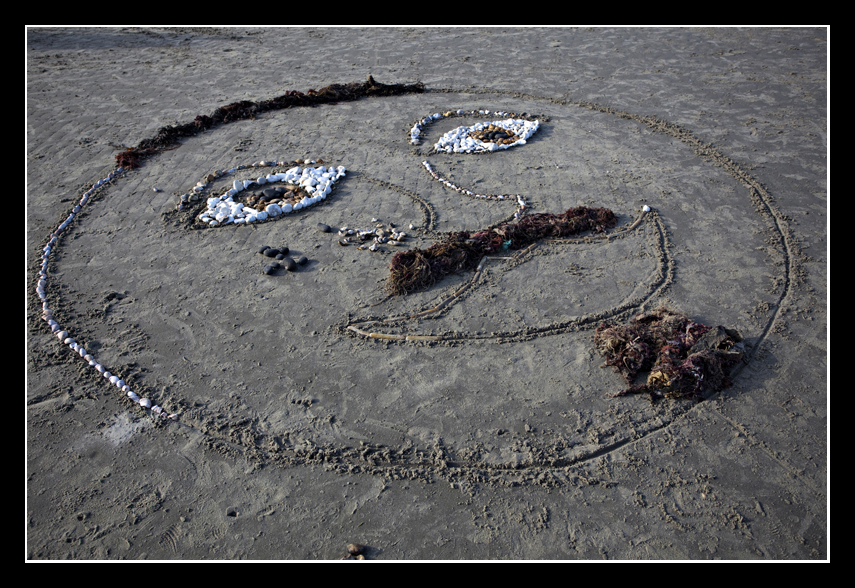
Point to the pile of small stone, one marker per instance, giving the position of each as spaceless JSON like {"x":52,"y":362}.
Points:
{"x":371,"y":239}
{"x":280,"y":254}
{"x":495,"y":134}
{"x":355,"y":551}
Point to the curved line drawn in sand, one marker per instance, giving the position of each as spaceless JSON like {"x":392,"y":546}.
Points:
{"x":414,"y":463}
{"x":663,"y":276}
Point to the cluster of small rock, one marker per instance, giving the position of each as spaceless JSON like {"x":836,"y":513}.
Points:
{"x":280,"y":254}
{"x":355,"y":551}
{"x":519,"y":198}
{"x":377,"y":236}
{"x":312,"y":183}
{"x":482,"y":137}
{"x":63,"y":335}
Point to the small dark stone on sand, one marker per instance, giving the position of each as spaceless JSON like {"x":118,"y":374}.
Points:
{"x":284,"y":250}
{"x":324,"y":228}
{"x":289,"y":264}
{"x":271,"y":252}
{"x":270,"y":193}
{"x":280,"y":256}
{"x":269,"y":269}
{"x":263,"y":248}
{"x":302,"y":260}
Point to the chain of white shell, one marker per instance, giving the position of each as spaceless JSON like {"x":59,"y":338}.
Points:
{"x":519,"y":197}
{"x":450,"y":142}
{"x":62,"y":334}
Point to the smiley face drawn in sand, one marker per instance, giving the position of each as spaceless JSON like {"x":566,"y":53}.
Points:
{"x":410,"y":391}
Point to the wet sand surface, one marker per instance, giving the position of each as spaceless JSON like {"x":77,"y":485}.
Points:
{"x":297,"y":436}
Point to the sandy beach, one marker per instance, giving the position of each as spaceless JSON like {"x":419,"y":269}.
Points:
{"x":311,"y":409}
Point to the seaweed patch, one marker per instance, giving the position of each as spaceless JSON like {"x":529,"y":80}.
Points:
{"x":685,"y":359}
{"x":168,"y":137}
{"x":418,"y":269}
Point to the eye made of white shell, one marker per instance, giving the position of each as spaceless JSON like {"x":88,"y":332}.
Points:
{"x":486,"y":137}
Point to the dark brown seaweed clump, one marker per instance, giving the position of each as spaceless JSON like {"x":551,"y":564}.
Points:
{"x":685,"y":359}
{"x":167,"y":137}
{"x":419,"y":269}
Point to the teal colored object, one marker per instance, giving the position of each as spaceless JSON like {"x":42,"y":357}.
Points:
{"x":506,"y":245}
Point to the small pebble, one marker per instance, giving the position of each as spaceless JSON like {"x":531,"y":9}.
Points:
{"x":324,"y":228}
{"x":302,"y":260}
{"x":290,"y":264}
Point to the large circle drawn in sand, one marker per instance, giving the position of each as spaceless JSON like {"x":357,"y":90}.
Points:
{"x":284,"y":380}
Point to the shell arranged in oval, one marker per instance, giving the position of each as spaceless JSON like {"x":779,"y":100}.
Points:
{"x":487,"y":136}
{"x":310,"y":186}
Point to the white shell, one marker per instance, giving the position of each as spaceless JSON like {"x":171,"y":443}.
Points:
{"x":145,"y":403}
{"x":458,"y":141}
{"x":317,"y":181}
{"x":133,"y":396}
